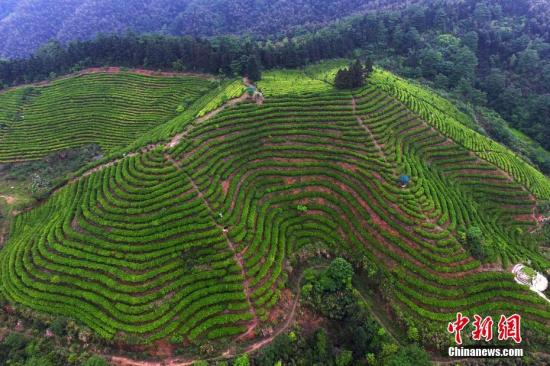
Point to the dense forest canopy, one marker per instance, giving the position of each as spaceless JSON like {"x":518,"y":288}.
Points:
{"x":27,"y":24}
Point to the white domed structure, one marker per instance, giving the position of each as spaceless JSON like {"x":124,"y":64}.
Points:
{"x":540,"y":283}
{"x":527,"y":276}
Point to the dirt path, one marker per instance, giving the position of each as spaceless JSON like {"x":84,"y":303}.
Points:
{"x":124,"y":361}
{"x":367,"y":130}
{"x":288,"y":322}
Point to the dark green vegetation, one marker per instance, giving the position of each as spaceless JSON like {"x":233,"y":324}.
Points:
{"x":67,"y":20}
{"x":352,"y":76}
{"x":331,"y":293}
{"x":110,"y":110}
{"x":195,"y":241}
{"x":352,"y":336}
{"x":44,"y":340}
{"x":39,"y":177}
{"x":477,"y":245}
{"x":20,"y":350}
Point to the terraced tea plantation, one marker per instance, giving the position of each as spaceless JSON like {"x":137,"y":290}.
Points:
{"x":110,"y":110}
{"x":194,"y":240}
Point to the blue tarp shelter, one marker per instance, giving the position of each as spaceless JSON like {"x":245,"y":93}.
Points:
{"x":404,"y":180}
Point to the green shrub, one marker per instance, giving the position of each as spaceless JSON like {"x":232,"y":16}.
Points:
{"x":95,"y":361}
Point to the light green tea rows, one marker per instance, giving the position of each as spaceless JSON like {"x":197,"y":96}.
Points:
{"x":131,"y":251}
{"x":257,"y":165}
{"x":110,"y":110}
{"x":445,"y":117}
{"x":141,"y":247}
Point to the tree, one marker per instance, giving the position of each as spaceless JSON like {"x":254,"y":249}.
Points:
{"x":341,"y":272}
{"x":410,"y":355}
{"x":344,"y":358}
{"x":242,"y":360}
{"x":95,"y":361}
{"x":41,"y":361}
{"x":494,"y":84}
{"x":369,"y":66}
{"x":471,"y":40}
{"x":482,"y":13}
{"x":352,"y":77}
{"x":253,"y":69}
{"x":464,"y":64}
{"x":331,"y":292}
{"x":280,"y":349}
{"x":341,"y":81}
{"x":321,"y":347}
{"x":477,"y":245}
{"x":528,"y":61}
{"x":59,"y":325}
{"x":178,"y":65}
{"x":430,"y":61}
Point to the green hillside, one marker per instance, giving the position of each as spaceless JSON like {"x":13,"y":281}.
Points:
{"x":110,"y":110}
{"x":446,"y":118}
{"x":196,"y":240}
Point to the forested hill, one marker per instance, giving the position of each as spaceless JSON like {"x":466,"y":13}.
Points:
{"x":27,"y":24}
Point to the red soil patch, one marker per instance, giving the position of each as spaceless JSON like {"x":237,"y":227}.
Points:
{"x":376,"y":175}
{"x":283,"y":307}
{"x":524,"y":218}
{"x":112,"y":70}
{"x":123,"y":361}
{"x":74,"y":223}
{"x":250,"y":332}
{"x":290,"y":180}
{"x":10,"y":200}
{"x":347,"y":166}
{"x":225,"y":186}
{"x":162,"y":349}
{"x":8,"y":309}
{"x":116,"y":70}
{"x":176,"y":139}
{"x":542,"y":219}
